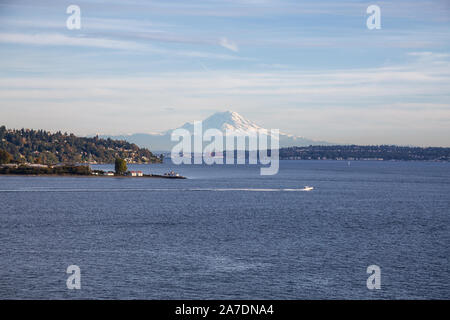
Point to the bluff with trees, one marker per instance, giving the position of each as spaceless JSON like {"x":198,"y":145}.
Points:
{"x":40,"y":146}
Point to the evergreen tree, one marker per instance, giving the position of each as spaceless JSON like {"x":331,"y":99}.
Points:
{"x":120,"y":166}
{"x":5,"y":157}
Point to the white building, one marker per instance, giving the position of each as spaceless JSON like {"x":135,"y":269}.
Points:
{"x":136,"y":173}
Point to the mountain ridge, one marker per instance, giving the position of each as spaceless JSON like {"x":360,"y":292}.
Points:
{"x":223,"y":121}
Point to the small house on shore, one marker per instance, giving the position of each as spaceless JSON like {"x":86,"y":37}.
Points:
{"x":136,"y":173}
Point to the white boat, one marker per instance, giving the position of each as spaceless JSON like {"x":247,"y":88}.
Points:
{"x":308,"y":188}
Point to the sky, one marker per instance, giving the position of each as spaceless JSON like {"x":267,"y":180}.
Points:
{"x":308,"y":68}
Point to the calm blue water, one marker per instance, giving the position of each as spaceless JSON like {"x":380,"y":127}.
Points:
{"x":166,"y":239}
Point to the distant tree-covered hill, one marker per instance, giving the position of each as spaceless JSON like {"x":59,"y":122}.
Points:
{"x":39,"y":146}
{"x":354,"y":152}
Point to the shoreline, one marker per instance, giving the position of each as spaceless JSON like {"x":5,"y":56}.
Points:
{"x":151,"y":176}
{"x":77,"y":171}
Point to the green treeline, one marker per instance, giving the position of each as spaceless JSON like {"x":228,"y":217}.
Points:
{"x":57,"y":170}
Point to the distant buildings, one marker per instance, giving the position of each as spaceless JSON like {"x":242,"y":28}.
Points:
{"x":112,"y":173}
{"x":136,"y":173}
{"x":367,"y":153}
{"x":36,"y":165}
{"x":172,"y":174}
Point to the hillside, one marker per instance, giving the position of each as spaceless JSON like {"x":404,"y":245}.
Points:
{"x":354,"y":152}
{"x":39,"y":146}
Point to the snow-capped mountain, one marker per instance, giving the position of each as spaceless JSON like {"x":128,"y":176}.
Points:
{"x":226,"y":122}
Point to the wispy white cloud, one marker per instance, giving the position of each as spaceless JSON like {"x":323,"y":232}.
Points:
{"x":151,"y":48}
{"x":56,"y":39}
{"x":398,"y":99}
{"x":92,"y":24}
{"x":230,"y":45}
{"x":430,"y":55}
{"x":412,"y":79}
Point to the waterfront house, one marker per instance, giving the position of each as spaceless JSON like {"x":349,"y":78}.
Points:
{"x":136,"y":173}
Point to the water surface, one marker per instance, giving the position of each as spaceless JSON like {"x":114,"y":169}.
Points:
{"x":227,"y":232}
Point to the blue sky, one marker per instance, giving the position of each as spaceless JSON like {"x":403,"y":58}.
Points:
{"x":310,"y":68}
